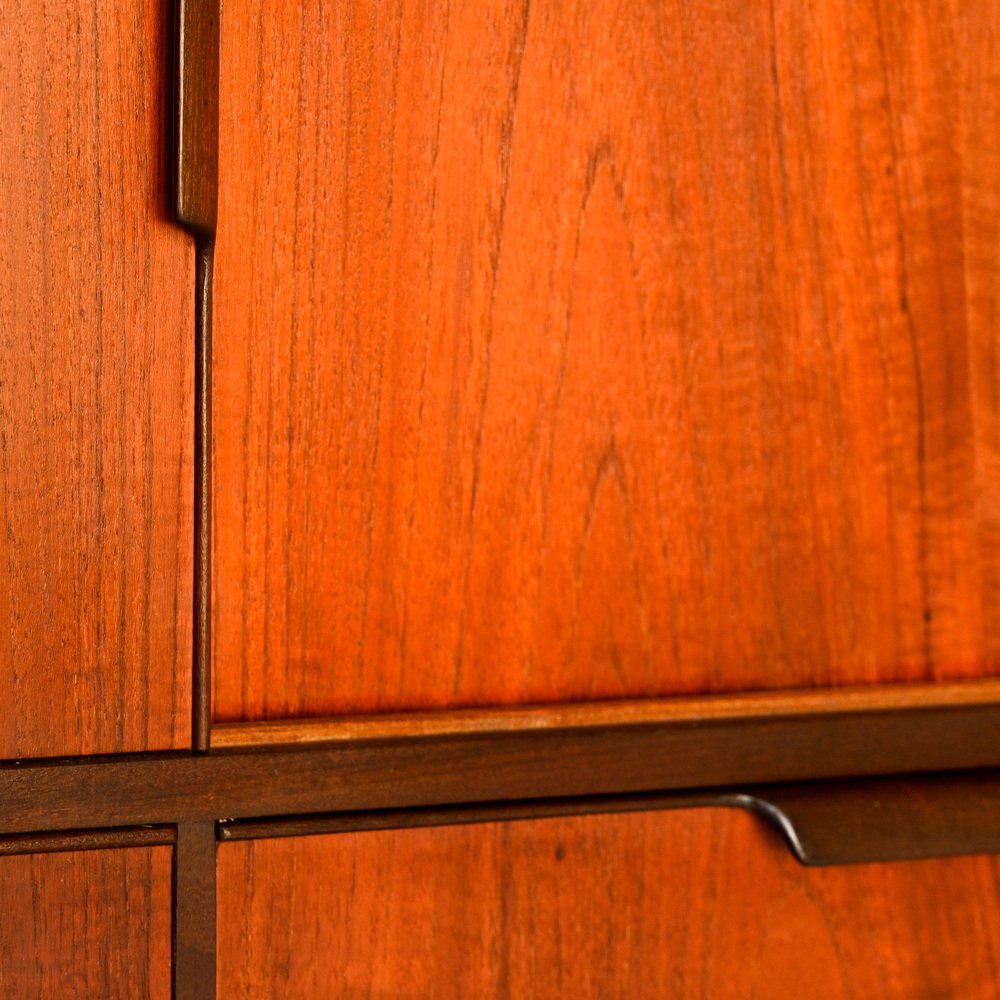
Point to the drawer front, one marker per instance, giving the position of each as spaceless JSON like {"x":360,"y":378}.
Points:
{"x":567,"y":352}
{"x":86,"y":924}
{"x":96,"y":385}
{"x":700,"y":904}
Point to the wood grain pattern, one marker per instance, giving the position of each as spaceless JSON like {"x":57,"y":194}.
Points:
{"x":604,"y":351}
{"x":96,"y":343}
{"x":701,"y":904}
{"x":93,"y":924}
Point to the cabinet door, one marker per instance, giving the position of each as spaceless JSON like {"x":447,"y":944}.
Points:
{"x":96,"y":385}
{"x":618,"y":349}
{"x":86,"y":924}
{"x":703,"y":904}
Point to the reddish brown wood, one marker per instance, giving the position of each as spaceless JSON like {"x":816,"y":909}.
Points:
{"x":96,"y":306}
{"x":92,"y":924}
{"x":614,"y":350}
{"x":699,"y":904}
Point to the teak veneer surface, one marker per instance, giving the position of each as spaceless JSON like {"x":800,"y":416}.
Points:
{"x":96,"y":346}
{"x":606,"y":350}
{"x":86,"y":924}
{"x":697,"y":904}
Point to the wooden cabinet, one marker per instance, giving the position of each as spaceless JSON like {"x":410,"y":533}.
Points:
{"x":448,"y":452}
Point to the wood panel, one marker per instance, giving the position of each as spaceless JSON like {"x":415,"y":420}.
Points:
{"x":698,"y":904}
{"x":90,"y":924}
{"x":96,"y":426}
{"x":606,"y":350}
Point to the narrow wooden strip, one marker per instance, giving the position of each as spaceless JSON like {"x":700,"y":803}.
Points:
{"x":756,"y":705}
{"x":194,"y":912}
{"x":201,"y":695}
{"x":86,"y":840}
{"x":489,"y":767}
{"x":461,"y":815}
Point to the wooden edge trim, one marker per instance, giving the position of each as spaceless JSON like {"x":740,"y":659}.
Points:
{"x":86,"y":840}
{"x":823,"y":823}
{"x":440,"y":771}
{"x":758,"y":705}
{"x":193,"y":965}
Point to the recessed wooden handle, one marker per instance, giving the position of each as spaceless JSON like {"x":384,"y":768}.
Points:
{"x":823,"y":822}
{"x":885,"y":819}
{"x":196,"y":102}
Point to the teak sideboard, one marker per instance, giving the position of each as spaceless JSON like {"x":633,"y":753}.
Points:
{"x":500,"y":499}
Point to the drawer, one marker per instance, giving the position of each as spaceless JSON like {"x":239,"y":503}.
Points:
{"x":96,"y":380}
{"x":701,"y":903}
{"x":86,"y":924}
{"x":573,"y":352}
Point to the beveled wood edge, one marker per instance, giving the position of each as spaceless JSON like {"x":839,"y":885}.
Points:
{"x":822,"y":823}
{"x":49,"y":842}
{"x":589,"y":715}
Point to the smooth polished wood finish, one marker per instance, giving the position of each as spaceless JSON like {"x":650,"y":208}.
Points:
{"x":701,"y":904}
{"x":572,"y":353}
{"x":91,"y":924}
{"x":753,"y":708}
{"x":96,"y":359}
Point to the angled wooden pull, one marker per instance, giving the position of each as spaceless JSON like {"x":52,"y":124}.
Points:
{"x":885,"y":819}
{"x":823,"y":822}
{"x":196,"y":102}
